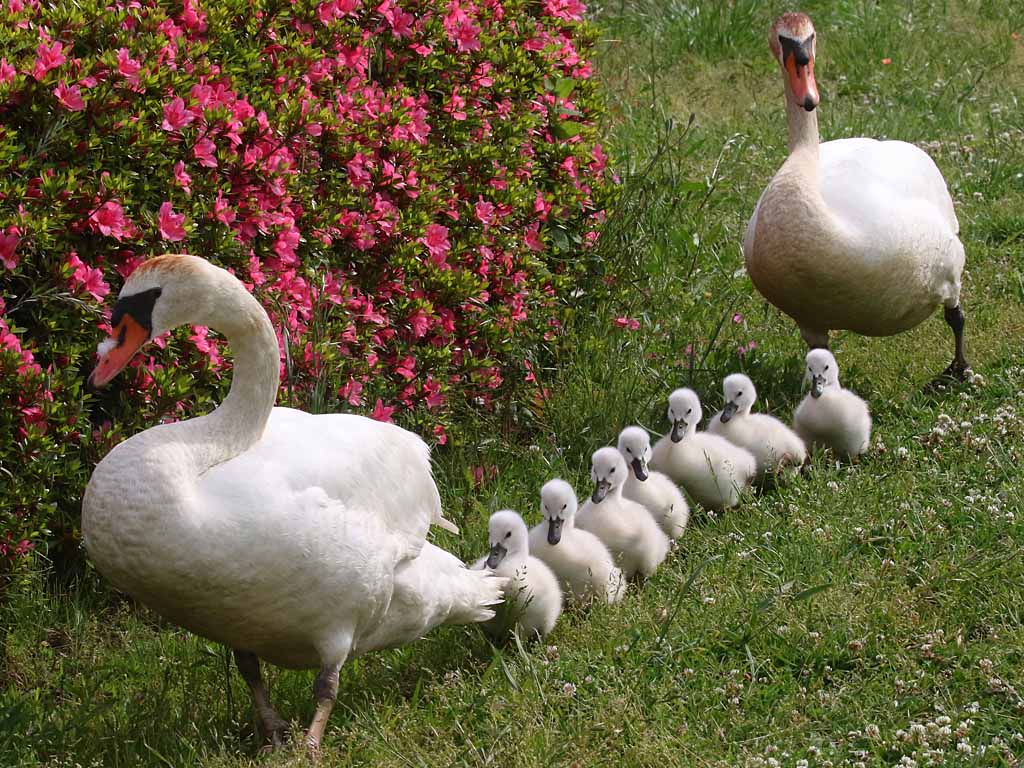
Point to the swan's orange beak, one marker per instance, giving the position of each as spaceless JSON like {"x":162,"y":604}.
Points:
{"x":117,"y":351}
{"x":801,"y":81}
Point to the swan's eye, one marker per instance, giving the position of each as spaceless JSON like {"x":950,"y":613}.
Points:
{"x":826,"y":367}
{"x":612,"y":472}
{"x":508,"y":534}
{"x":564,"y":506}
{"x":689,"y":411}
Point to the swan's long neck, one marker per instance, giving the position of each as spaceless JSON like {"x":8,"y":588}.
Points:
{"x":240,"y":420}
{"x":803,"y":131}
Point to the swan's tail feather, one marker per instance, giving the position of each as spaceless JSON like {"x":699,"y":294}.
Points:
{"x":443,"y":522}
{"x":478,"y":593}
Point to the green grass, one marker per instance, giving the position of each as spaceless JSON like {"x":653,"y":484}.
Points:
{"x":835,"y":620}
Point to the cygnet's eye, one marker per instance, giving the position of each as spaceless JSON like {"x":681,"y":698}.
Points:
{"x":689,"y":411}
{"x":826,"y":367}
{"x":628,"y":449}
{"x":564,"y":506}
{"x":508,"y":534}
{"x":739,"y":394}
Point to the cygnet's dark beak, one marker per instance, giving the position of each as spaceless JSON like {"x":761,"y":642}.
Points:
{"x":728,"y":411}
{"x":678,"y":430}
{"x":600,"y":491}
{"x":498,"y":553}
{"x":554,"y":530}
{"x":639,"y":468}
{"x":817,"y":385}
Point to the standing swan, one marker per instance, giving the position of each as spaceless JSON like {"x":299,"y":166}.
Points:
{"x":853,"y":234}
{"x":292,"y":538}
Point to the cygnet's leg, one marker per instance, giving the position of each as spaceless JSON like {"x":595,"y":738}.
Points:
{"x":814,"y":339}
{"x":271,"y":727}
{"x":325,"y":688}
{"x":959,"y":367}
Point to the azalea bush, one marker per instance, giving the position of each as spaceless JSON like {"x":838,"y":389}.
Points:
{"x":410,"y":187}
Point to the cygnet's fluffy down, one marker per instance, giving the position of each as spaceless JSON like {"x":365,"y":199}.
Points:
{"x":713,"y":471}
{"x":831,"y":416}
{"x":774,"y":445}
{"x":654,"y":490}
{"x":580,"y":560}
{"x":533,"y":597}
{"x":626,"y":528}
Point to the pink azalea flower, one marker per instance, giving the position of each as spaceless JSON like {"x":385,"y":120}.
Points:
{"x":439,"y":433}
{"x":128,"y":66}
{"x":7,"y":72}
{"x":176,"y":116}
{"x":88,"y":278}
{"x":382,"y":412}
{"x":193,"y":18}
{"x":399,"y":21}
{"x":172,"y":225}
{"x":532,"y":239}
{"x":182,"y":178}
{"x":47,"y":58}
{"x":420,"y":323}
{"x":406,"y":368}
{"x":484,"y":212}
{"x":223,"y":212}
{"x":437,"y":243}
{"x":569,"y":10}
{"x":109,"y":220}
{"x":8,"y":246}
{"x":205,"y":152}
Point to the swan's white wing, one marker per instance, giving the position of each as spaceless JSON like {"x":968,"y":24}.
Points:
{"x":361,"y":464}
{"x":865,"y":181}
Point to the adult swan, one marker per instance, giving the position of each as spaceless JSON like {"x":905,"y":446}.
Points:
{"x":292,"y":538}
{"x":852,"y":234}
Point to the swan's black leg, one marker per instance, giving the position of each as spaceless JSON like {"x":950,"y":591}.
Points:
{"x":814,"y":339}
{"x":325,"y":688}
{"x":959,"y":367}
{"x":271,"y":727}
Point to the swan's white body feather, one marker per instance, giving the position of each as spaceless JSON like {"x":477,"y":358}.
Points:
{"x":714,"y":472}
{"x":662,"y":498}
{"x":581,"y":563}
{"x":628,"y":530}
{"x":773,"y":445}
{"x":838,"y":419}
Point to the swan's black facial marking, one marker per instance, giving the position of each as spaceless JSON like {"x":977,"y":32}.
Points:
{"x":800,"y":51}
{"x":139,"y":306}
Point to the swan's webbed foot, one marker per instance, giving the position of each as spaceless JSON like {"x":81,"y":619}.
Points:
{"x":273,"y":733}
{"x":270,"y":727}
